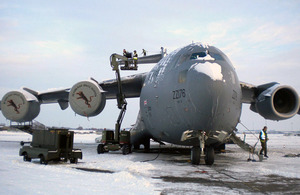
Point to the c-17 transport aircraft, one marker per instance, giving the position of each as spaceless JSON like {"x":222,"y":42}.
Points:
{"x":192,"y":97}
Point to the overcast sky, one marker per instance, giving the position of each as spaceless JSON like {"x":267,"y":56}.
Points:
{"x":54,"y":44}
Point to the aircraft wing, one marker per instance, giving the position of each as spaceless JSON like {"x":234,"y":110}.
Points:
{"x":131,"y":86}
{"x":87,"y":98}
{"x":145,"y":59}
{"x":248,"y":92}
{"x":53,"y":96}
{"x":272,"y":100}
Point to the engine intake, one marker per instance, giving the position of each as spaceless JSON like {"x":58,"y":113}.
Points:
{"x":277,"y":103}
{"x":87,"y":98}
{"x":20,"y":106}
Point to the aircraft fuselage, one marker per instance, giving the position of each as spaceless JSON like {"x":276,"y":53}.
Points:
{"x":193,"y":88}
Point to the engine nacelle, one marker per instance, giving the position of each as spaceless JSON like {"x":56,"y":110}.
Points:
{"x":87,"y":98}
{"x":20,"y":106}
{"x":277,"y":103}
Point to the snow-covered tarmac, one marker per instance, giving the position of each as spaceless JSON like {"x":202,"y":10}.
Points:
{"x":170,"y":173}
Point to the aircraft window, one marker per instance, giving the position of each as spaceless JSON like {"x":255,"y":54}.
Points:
{"x":198,"y":55}
{"x":216,"y":56}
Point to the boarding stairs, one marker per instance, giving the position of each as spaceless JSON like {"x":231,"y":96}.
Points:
{"x":245,"y":146}
{"x":27,"y":127}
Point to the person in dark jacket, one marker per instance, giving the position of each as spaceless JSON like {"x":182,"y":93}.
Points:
{"x":125,"y":54}
{"x":263,"y":137}
{"x":144,"y":52}
{"x":135,"y":58}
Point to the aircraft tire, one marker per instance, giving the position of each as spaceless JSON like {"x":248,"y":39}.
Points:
{"x":136,"y":146}
{"x":147,"y":145}
{"x":42,"y":160}
{"x":195,"y":155}
{"x":210,"y":156}
{"x":125,"y":149}
{"x":100,"y":149}
{"x":26,"y":158}
{"x":74,"y":160}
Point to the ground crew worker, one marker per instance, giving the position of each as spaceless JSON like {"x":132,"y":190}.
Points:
{"x":144,"y":52}
{"x":263,"y":137}
{"x":135,"y":58}
{"x":125,"y":54}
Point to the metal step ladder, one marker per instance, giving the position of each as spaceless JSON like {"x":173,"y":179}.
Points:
{"x":245,"y":146}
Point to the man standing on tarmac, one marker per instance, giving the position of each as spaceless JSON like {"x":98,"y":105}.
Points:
{"x":263,"y":137}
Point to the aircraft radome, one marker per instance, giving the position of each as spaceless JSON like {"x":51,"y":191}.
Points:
{"x":191,"y":97}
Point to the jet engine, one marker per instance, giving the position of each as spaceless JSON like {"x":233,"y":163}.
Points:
{"x":20,"y":106}
{"x":277,"y":102}
{"x":87,"y":98}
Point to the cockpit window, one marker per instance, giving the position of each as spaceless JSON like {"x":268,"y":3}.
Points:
{"x":198,"y":55}
{"x":205,"y":55}
{"x":216,"y":56}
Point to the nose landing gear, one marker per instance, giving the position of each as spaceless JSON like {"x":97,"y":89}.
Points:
{"x":201,"y":151}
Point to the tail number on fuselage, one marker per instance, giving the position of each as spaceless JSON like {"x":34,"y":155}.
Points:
{"x":178,"y":94}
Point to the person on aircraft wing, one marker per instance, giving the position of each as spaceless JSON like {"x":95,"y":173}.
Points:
{"x":144,"y":52}
{"x":263,"y":137}
{"x":125,"y":54}
{"x":135,"y":58}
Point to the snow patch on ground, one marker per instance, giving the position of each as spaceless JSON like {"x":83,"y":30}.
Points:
{"x":169,"y":174}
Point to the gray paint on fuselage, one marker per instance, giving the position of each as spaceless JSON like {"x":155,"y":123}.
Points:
{"x":182,"y":94}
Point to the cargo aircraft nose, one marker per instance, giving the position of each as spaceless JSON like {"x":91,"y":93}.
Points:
{"x":213,"y":90}
{"x":204,"y":83}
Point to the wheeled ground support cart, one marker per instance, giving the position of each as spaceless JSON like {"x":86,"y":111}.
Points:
{"x":51,"y":145}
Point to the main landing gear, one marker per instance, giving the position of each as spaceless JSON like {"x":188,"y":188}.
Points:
{"x":201,"y":151}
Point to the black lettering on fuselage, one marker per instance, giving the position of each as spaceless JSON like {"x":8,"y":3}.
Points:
{"x":178,"y":94}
